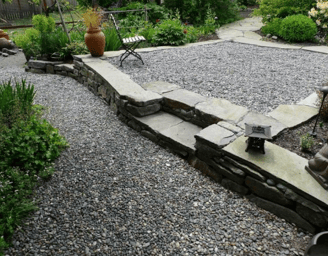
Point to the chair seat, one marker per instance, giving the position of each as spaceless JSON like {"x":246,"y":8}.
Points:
{"x":133,"y":39}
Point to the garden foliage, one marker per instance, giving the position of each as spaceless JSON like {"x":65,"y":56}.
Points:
{"x":28,"y":147}
{"x":195,"y":10}
{"x":270,"y":9}
{"x":297,"y":28}
{"x":319,"y":15}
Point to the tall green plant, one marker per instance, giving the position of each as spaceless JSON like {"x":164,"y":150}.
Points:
{"x":15,"y":101}
{"x":113,"y":43}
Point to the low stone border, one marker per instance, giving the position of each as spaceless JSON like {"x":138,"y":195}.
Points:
{"x":208,"y":132}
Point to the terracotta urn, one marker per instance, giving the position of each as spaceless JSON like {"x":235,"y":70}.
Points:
{"x":3,"y":34}
{"x":95,"y":41}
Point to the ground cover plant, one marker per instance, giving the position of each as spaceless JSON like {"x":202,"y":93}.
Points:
{"x":28,"y":147}
{"x":296,"y":27}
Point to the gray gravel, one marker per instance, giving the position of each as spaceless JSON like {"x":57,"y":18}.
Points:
{"x":117,"y":193}
{"x":259,"y":78}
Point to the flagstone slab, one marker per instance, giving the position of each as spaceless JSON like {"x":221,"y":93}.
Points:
{"x":215,"y":109}
{"x":215,"y":136}
{"x":159,"y":121}
{"x":245,"y":40}
{"x":231,"y":33}
{"x":123,"y":85}
{"x":182,"y":136}
{"x":282,"y":164}
{"x":311,"y":101}
{"x":160,"y":87}
{"x":252,"y":35}
{"x":182,"y":99}
{"x":293,"y":115}
{"x":259,"y":119}
{"x":320,"y":48}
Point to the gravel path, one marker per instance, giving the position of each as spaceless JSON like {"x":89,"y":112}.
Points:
{"x":259,"y":78}
{"x":117,"y":193}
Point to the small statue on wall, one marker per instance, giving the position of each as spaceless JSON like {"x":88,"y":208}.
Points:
{"x":318,"y":167}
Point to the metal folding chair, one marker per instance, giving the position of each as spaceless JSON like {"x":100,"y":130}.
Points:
{"x":129,"y":44}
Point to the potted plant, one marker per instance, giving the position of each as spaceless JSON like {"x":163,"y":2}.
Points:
{"x":94,"y":38}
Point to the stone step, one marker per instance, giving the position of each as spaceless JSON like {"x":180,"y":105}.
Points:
{"x":171,"y":131}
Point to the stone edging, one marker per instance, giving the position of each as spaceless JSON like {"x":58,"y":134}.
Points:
{"x":208,"y":132}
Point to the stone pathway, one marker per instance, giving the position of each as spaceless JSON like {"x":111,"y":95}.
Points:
{"x":242,"y":31}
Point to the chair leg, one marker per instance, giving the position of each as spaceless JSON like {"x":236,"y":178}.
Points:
{"x":129,"y":50}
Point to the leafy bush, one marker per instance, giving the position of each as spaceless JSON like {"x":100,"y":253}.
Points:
{"x":272,"y":27}
{"x":147,"y":31}
{"x":193,"y":34}
{"x":320,"y":16}
{"x":195,"y":10}
{"x":156,"y":12}
{"x":270,"y":9}
{"x":29,"y":42}
{"x":28,"y":147}
{"x":169,"y":32}
{"x":74,"y":48}
{"x":210,"y":24}
{"x":44,"y":38}
{"x":298,"y":28}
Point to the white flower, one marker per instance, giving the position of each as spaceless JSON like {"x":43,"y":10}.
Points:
{"x":324,"y":25}
{"x":318,"y":22}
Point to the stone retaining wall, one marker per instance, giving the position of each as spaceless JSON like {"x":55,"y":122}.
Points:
{"x":232,"y":172}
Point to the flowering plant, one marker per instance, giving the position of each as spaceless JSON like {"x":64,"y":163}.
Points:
{"x":320,"y":15}
{"x":92,"y":18}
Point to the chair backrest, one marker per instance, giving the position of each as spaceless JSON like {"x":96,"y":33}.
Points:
{"x":116,"y":27}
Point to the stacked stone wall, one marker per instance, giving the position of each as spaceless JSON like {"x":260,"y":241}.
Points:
{"x":229,"y":170}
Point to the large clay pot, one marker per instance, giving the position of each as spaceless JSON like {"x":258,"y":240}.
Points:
{"x":95,"y":41}
{"x":3,"y":34}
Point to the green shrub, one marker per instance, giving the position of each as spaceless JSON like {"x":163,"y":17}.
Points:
{"x":247,"y":2}
{"x":298,"y":28}
{"x":29,"y":42}
{"x":169,"y":32}
{"x":306,"y":142}
{"x":15,"y":102}
{"x":74,"y":48}
{"x":272,"y":27}
{"x":113,"y":43}
{"x":31,"y":145}
{"x":210,"y":24}
{"x":192,"y":34}
{"x":156,"y":12}
{"x":270,"y":9}
{"x":147,"y":31}
{"x":43,"y":24}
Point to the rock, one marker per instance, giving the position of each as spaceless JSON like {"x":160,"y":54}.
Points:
{"x":274,"y":37}
{"x":5,"y":54}
{"x":149,"y":135}
{"x":206,"y":153}
{"x":229,"y":184}
{"x":227,"y":173}
{"x":230,"y":167}
{"x":283,"y":212}
{"x":204,"y":168}
{"x":182,"y":99}
{"x":10,"y":52}
{"x":50,"y":69}
{"x":246,"y":169}
{"x":264,"y":190}
{"x":268,"y":35}
{"x":143,"y":111}
{"x":4,"y":43}
{"x":233,"y":128}
{"x":312,"y":216}
{"x":215,"y":136}
{"x":160,"y":87}
{"x":285,"y":114}
{"x":214,"y":110}
{"x":271,"y":182}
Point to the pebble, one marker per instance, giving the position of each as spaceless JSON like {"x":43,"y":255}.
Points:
{"x":123,"y":190}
